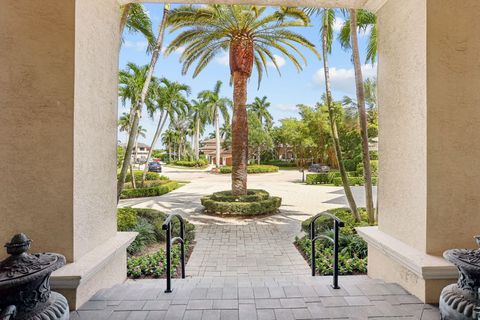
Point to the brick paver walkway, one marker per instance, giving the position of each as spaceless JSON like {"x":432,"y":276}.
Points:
{"x":249,"y":269}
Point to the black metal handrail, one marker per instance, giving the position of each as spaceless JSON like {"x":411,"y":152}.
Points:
{"x":167,"y":225}
{"x":337,"y":224}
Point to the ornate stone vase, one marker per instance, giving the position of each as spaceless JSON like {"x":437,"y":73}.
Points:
{"x":461,"y":300}
{"x":24,"y":284}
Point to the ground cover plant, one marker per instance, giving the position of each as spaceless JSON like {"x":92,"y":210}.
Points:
{"x":353,"y":249}
{"x":146,"y":254}
{"x":255,"y":202}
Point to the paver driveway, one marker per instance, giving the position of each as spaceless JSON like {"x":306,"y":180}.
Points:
{"x":249,"y":268}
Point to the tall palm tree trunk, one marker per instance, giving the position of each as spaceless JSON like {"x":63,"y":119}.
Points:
{"x":197,"y":139}
{"x":138,"y":105}
{"x":239,"y":134}
{"x":259,"y":150}
{"x":367,"y":171}
{"x":158,"y":131}
{"x":217,"y":139}
{"x":333,"y":127}
{"x":123,"y":19}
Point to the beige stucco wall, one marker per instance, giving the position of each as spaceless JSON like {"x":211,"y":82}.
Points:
{"x":402,"y":120}
{"x":95,"y":131}
{"x":453,"y":122}
{"x":36,"y":135}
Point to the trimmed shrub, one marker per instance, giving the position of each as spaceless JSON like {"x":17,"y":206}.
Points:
{"x":195,"y":163}
{"x":321,"y":178}
{"x":126,"y":219}
{"x":280,"y":163}
{"x":256,"y":202}
{"x":373,"y":155}
{"x":254,"y":168}
{"x":252,"y":195}
{"x":138,"y":176}
{"x":354,"y":181}
{"x":148,"y":183}
{"x":373,"y":166}
{"x":150,"y":191}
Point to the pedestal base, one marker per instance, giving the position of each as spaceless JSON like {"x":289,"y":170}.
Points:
{"x":457,"y":304}
{"x":56,"y":308}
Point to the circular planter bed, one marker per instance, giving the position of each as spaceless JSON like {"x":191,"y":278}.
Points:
{"x":256,"y":202}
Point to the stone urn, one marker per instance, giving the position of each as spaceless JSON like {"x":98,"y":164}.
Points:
{"x":461,"y":300}
{"x":24,"y":284}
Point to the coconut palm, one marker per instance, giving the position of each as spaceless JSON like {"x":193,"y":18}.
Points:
{"x":260,"y":108}
{"x":249,"y":34}
{"x":169,"y":139}
{"x":137,"y":107}
{"x":199,"y":119}
{"x":216,"y":106}
{"x":135,"y":19}
{"x":168,"y":97}
{"x":352,"y":43}
{"x":366,"y":20}
{"x":327,"y":17}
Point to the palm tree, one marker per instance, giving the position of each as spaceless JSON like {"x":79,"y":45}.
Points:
{"x":366,"y":20}
{"x":259,"y":107}
{"x":137,"y":107}
{"x":216,"y":106}
{"x":328,"y":18}
{"x":169,"y":139}
{"x":169,"y":98}
{"x":135,"y":19}
{"x":249,"y":34}
{"x":199,"y":118}
{"x":360,"y":91}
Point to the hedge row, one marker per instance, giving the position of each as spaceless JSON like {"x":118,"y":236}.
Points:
{"x":279,"y":163}
{"x":139,"y":173}
{"x":252,"y":195}
{"x":148,"y":183}
{"x":354,"y":181}
{"x":195,"y":163}
{"x":269,"y":205}
{"x":321,"y":178}
{"x":149,"y":191}
{"x":252,"y":169}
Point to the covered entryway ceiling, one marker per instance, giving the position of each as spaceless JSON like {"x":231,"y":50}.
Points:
{"x":372,"y":5}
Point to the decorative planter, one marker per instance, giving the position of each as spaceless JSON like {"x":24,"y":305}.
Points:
{"x":24,"y":284}
{"x":461,"y":301}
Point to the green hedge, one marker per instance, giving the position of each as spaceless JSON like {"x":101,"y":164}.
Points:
{"x":373,"y":167}
{"x":256,"y":202}
{"x":254,"y":168}
{"x":195,"y":163}
{"x":252,"y":195}
{"x":148,"y":183}
{"x":354,"y":181}
{"x":149,"y":191}
{"x":138,"y":176}
{"x":279,"y":163}
{"x":321,"y":178}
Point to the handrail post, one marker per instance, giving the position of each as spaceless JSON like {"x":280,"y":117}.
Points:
{"x":169,"y":258}
{"x":312,"y":238}
{"x":335,"y":255}
{"x":182,"y":246}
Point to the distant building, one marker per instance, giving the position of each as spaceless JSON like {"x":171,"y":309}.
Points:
{"x":140,"y":153}
{"x":285,"y":152}
{"x":210,"y":151}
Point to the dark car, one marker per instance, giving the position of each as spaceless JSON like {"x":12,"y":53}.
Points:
{"x":316,"y":167}
{"x":154,"y":166}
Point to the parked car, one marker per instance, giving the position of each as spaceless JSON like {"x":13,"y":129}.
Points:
{"x":317,"y":167}
{"x":154,"y":166}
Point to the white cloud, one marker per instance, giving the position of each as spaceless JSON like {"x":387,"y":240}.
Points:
{"x":279,"y":60}
{"x":338,"y":24}
{"x":136,"y":45}
{"x":344,"y":79}
{"x":223,"y":59}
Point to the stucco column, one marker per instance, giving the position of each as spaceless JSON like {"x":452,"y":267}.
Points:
{"x":58,"y":107}
{"x":429,"y":146}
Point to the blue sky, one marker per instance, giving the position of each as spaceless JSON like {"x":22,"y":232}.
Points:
{"x":284,"y":92}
